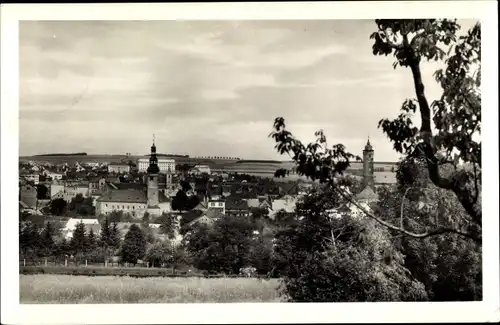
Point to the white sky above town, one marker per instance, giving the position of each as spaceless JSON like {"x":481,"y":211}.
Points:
{"x":206,"y":88}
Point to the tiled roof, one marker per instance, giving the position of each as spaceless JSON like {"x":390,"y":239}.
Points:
{"x":284,"y":204}
{"x":43,"y":203}
{"x":344,"y":209}
{"x":111,"y":186}
{"x":214,"y":213}
{"x":130,"y":186}
{"x":71,"y":223}
{"x":233,"y":204}
{"x":98,"y":193}
{"x":162,"y":198}
{"x":288,"y":188}
{"x":59,"y":194}
{"x":28,"y":188}
{"x":201,"y":206}
{"x":119,"y":164}
{"x":242,"y":196}
{"x":126,"y":196}
{"x":203,"y":218}
{"x":123,"y":227}
{"x":367,"y":194}
{"x":23,"y":205}
{"x":96,"y":228}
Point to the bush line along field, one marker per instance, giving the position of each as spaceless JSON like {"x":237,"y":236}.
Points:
{"x":44,"y":288}
{"x":137,"y":272}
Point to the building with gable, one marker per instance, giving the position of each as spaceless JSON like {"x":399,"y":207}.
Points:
{"x":367,"y":195}
{"x":28,"y":195}
{"x":166,"y":165}
{"x":137,"y":199}
{"x":35,"y":178}
{"x":118,"y":168}
{"x":236,"y":207}
{"x":286,"y":204}
{"x":71,"y":224}
{"x":208,"y":217}
{"x":260,"y":202}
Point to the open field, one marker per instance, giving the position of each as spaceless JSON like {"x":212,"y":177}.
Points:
{"x":61,"y":289}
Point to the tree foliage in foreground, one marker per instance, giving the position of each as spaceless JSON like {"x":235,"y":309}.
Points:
{"x":322,"y":259}
{"x":456,"y":116}
{"x":58,"y":207}
{"x":450,"y":265}
{"x":225,"y":246}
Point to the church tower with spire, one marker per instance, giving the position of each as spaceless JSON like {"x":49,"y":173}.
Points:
{"x":368,"y":177}
{"x":153,"y":171}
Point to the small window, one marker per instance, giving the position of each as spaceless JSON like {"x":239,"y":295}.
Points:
{"x":106,"y":205}
{"x":133,"y":207}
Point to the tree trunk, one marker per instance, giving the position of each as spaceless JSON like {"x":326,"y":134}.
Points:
{"x":464,"y":195}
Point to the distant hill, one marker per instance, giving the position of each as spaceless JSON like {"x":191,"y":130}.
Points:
{"x":61,"y":154}
{"x":259,"y":162}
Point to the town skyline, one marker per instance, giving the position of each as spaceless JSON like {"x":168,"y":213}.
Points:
{"x":206,"y":88}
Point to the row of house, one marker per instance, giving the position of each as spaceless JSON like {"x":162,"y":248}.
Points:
{"x":123,"y":227}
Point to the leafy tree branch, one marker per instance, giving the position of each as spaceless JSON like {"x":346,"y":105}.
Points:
{"x":325,"y":165}
{"x":456,"y":116}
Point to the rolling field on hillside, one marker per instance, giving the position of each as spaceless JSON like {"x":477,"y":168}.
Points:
{"x":123,"y":158}
{"x":46,"y":289}
{"x":255,"y":168}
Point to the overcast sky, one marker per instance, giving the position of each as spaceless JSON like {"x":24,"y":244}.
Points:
{"x":205,"y":88}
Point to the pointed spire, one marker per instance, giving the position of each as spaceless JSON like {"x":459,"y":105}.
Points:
{"x":368,"y":146}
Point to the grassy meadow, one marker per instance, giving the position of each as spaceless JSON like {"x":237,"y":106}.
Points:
{"x":60,"y":289}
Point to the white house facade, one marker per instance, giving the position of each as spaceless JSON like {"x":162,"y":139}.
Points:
{"x":165,"y":165}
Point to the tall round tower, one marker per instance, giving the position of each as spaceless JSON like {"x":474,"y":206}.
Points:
{"x":153,"y":171}
{"x":368,"y":178}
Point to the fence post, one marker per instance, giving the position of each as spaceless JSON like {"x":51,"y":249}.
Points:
{"x":85,"y":263}
{"x":66,"y":262}
{"x":24,"y":262}
{"x":45,"y":261}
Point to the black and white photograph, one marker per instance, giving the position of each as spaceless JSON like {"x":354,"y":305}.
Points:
{"x":265,"y":161}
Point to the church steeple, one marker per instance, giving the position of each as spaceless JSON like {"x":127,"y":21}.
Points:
{"x":153,"y":160}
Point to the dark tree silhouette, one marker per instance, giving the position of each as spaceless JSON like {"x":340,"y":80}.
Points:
{"x":134,"y":245}
{"x":58,"y":207}
{"x":41,"y":192}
